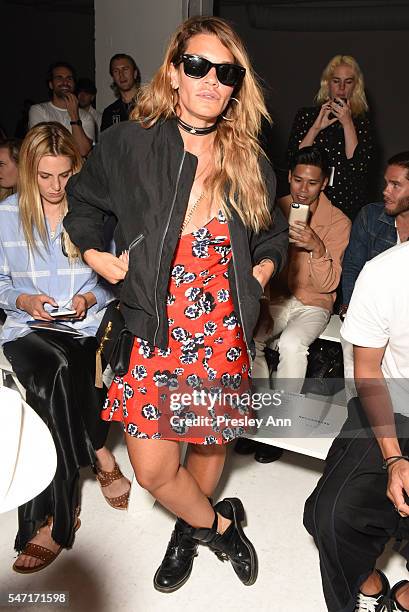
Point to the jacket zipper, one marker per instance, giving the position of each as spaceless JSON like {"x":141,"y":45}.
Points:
{"x":162,"y":243}
{"x":136,"y":241}
{"x":238,"y":299}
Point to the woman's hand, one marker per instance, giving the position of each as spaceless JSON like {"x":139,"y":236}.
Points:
{"x":112,"y":268}
{"x":323,"y":120}
{"x":80,"y":305}
{"x":263,"y":271}
{"x":342,"y":110}
{"x":124,"y":257}
{"x":34,"y":305}
{"x":306,"y":238}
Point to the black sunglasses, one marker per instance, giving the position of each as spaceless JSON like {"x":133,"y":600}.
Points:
{"x":197,"y":67}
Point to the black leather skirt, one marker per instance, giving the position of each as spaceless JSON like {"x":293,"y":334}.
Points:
{"x":58,"y":373}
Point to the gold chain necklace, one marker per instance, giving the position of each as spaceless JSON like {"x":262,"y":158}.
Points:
{"x":190,"y":213}
{"x":53,"y":232}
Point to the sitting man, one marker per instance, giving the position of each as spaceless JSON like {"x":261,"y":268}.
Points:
{"x":301,"y":306}
{"x":63,"y":107}
{"x":360,"y":501}
{"x":377,"y":227}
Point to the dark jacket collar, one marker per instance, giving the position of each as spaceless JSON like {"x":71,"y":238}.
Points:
{"x":384,"y":218}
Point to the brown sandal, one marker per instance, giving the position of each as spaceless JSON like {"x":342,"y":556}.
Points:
{"x":107,"y":478}
{"x":40,"y":552}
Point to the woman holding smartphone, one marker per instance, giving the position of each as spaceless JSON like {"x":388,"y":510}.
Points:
{"x":339,"y":124}
{"x":41,"y":269}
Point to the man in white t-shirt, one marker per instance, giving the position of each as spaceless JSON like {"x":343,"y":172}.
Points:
{"x":360,"y":501}
{"x":63,"y":108}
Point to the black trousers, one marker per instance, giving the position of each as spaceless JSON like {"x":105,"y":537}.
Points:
{"x":58,"y":373}
{"x":349,"y":515}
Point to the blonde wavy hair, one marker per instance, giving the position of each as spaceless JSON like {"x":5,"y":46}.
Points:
{"x":236,"y":147}
{"x":50,"y":138}
{"x":358,"y":100}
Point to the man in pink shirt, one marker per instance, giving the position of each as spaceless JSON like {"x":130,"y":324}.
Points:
{"x":300,"y":301}
{"x":301,"y":305}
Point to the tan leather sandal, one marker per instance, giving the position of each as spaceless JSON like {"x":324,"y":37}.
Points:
{"x":40,"y":552}
{"x":107,"y":478}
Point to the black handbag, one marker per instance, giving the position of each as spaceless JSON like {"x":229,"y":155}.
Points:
{"x":115,"y":343}
{"x":325,"y":371}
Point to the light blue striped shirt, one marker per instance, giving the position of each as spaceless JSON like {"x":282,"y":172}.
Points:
{"x":50,"y":272}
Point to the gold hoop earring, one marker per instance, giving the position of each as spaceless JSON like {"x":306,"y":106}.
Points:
{"x":238,"y":102}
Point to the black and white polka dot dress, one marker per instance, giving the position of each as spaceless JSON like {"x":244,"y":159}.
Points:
{"x":350,"y":185}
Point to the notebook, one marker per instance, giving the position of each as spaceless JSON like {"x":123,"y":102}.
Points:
{"x":54,"y":326}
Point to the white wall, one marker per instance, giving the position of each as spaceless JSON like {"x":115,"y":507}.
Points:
{"x":140,"y":28}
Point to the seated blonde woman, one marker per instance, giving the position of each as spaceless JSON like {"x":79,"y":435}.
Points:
{"x":41,"y":270}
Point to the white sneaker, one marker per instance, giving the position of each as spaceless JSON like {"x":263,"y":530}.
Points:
{"x":368,"y":603}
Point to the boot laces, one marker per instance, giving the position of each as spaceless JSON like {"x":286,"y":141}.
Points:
{"x":173,"y":544}
{"x":369,"y":603}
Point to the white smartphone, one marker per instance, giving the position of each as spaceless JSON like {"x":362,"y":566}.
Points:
{"x":64,"y":312}
{"x":298,"y":212}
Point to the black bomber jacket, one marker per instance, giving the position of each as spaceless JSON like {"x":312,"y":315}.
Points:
{"x":144,"y":177}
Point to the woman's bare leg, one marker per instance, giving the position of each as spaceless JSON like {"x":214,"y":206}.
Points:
{"x":106,"y":462}
{"x":205,"y":464}
{"x":157,"y":468}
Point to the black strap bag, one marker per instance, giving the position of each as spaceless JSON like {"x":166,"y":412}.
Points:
{"x":325,"y":371}
{"x":115,"y":343}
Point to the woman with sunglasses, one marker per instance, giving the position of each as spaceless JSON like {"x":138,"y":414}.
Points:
{"x":56,"y":369}
{"x":194,"y":199}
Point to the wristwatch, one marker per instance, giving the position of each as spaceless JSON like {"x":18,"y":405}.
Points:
{"x":78,"y":122}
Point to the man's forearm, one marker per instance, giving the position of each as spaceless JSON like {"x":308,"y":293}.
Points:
{"x":84,"y":143}
{"x":376,"y":402}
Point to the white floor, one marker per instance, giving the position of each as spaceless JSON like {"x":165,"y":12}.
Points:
{"x":115,"y":555}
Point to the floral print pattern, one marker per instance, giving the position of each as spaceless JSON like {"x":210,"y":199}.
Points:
{"x":206,"y":353}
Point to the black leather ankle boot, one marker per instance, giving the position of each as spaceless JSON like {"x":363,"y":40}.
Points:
{"x":231,"y":545}
{"x":177,"y":563}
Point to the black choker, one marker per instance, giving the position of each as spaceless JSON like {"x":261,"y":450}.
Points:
{"x":196,"y":130}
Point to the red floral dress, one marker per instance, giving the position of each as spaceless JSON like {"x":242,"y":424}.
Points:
{"x":197,"y":390}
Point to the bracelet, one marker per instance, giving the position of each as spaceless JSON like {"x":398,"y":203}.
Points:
{"x":394,"y":458}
